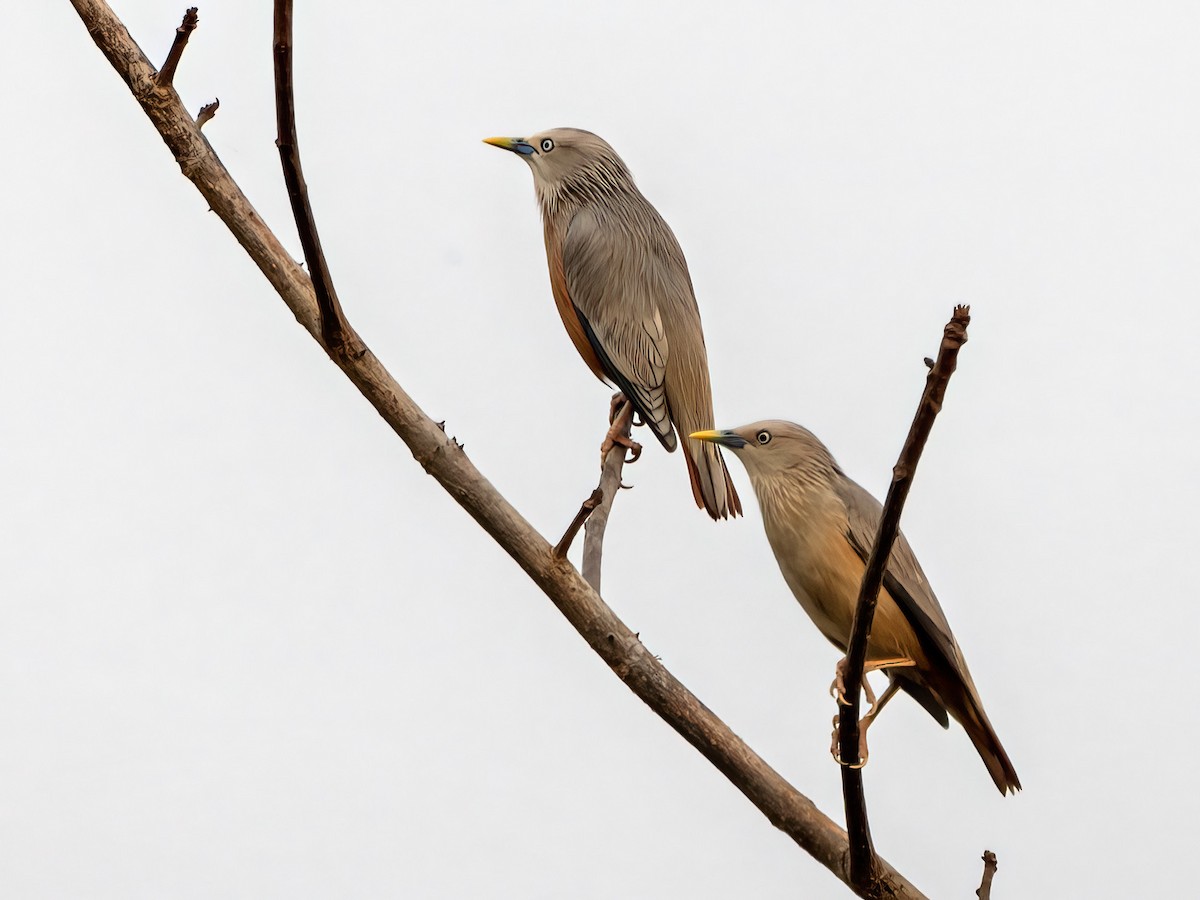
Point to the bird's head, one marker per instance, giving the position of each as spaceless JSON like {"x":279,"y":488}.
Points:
{"x":568,"y":158}
{"x":772,"y":447}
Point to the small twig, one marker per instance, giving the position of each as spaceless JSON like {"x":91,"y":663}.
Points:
{"x":989,"y":872}
{"x":207,"y":111}
{"x":585,"y":510}
{"x":862,"y":852}
{"x":336,"y":334}
{"x":610,"y":483}
{"x":167,"y":73}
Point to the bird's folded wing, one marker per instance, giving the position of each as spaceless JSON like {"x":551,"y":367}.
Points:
{"x":612,"y":285}
{"x":903,"y":577}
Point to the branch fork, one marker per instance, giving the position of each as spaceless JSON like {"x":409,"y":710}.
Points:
{"x":314,"y":304}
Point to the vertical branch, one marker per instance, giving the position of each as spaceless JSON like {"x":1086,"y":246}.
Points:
{"x":595,"y":509}
{"x":610,"y":483}
{"x":862,"y":852}
{"x":854,"y":799}
{"x":336,"y":334}
{"x":989,"y":872}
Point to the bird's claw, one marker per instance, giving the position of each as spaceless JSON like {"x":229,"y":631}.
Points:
{"x":620,"y":416}
{"x":616,"y":439}
{"x":862,"y":747}
{"x":615,"y":406}
{"x":837,"y":688}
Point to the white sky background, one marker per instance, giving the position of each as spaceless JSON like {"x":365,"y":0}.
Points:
{"x":247,"y":647}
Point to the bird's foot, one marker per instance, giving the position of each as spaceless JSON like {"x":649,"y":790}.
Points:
{"x":620,"y":419}
{"x":614,"y":410}
{"x":862,"y":746}
{"x":616,"y":406}
{"x":838,"y":688}
{"x":617,"y":437}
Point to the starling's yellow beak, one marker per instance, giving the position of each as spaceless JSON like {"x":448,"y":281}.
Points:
{"x":516,"y":145}
{"x":724,"y":438}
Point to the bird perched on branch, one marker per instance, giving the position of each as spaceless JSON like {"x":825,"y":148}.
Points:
{"x":821,"y":526}
{"x":623,"y":291}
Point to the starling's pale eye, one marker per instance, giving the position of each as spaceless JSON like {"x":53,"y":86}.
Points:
{"x":764,"y":437}
{"x":547,"y":145}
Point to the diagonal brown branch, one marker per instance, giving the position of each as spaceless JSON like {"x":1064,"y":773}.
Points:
{"x":166,"y":75}
{"x":784,"y":806}
{"x":862,"y":852}
{"x":336,"y":334}
{"x":585,"y":510}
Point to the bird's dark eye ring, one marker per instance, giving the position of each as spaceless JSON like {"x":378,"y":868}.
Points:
{"x":763,"y":437}
{"x":547,"y":145}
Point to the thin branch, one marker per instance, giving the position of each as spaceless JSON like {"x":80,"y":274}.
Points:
{"x":336,"y":334}
{"x":862,"y":853}
{"x":585,"y":509}
{"x":166,"y":75}
{"x":595,"y":509}
{"x":207,"y":111}
{"x":610,"y":483}
{"x":989,"y":872}
{"x":784,"y":806}
{"x":854,"y":799}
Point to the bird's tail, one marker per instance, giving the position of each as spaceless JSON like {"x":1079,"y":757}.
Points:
{"x":711,"y":485}
{"x":969,"y":712}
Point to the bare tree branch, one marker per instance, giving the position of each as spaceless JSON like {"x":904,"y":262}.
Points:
{"x":585,"y":509}
{"x":785,"y":807}
{"x":610,"y":483}
{"x":862,"y":852}
{"x":858,"y":827}
{"x":595,"y":509}
{"x":989,"y":872}
{"x":207,"y":111}
{"x":336,"y":334}
{"x":166,"y":75}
